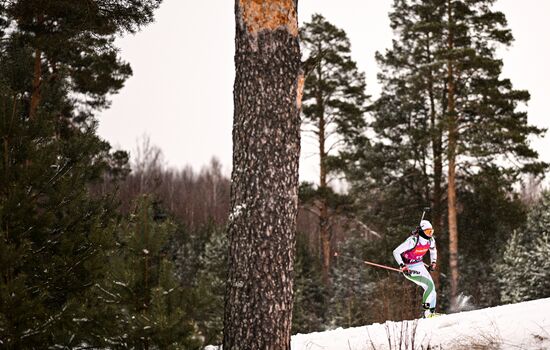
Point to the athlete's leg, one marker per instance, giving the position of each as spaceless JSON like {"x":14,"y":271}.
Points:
{"x":421,"y":276}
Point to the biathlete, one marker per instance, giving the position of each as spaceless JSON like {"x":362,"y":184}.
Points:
{"x":409,"y":255}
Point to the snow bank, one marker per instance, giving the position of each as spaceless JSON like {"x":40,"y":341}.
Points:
{"x":517,"y":326}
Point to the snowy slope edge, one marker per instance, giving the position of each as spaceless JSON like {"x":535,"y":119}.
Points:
{"x":516,"y":326}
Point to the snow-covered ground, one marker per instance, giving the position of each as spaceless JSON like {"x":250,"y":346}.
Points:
{"x":518,"y":326}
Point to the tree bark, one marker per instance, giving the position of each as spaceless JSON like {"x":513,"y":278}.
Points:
{"x":451,"y":155}
{"x":437,"y":150}
{"x":264,"y":192}
{"x":324,"y":232}
{"x":36,"y":84}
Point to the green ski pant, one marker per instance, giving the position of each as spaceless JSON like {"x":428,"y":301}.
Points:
{"x":421,"y":276}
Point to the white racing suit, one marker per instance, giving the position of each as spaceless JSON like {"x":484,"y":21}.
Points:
{"x":410,"y":253}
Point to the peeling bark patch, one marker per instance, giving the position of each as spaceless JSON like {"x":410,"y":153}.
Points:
{"x":269,"y":14}
{"x":300,"y":90}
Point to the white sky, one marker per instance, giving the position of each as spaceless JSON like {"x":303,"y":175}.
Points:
{"x":181,"y":93}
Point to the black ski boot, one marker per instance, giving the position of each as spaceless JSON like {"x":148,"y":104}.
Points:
{"x":428,"y":311}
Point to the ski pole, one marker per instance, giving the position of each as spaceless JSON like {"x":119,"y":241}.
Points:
{"x":368,"y":262}
{"x":382,"y":266}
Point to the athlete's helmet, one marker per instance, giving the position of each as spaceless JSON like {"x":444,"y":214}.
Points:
{"x":427,"y":228}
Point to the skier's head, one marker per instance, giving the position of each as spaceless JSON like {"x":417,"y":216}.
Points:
{"x":427,"y":228}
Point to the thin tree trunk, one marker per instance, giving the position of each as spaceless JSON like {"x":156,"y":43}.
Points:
{"x":36,"y":95}
{"x":6,"y":158}
{"x":264,"y":192}
{"x":325,"y":241}
{"x":7,"y":142}
{"x":323,"y":207}
{"x":437,"y":193}
{"x":451,"y":154}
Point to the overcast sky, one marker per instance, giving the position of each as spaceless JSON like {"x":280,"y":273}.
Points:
{"x":181,"y":93}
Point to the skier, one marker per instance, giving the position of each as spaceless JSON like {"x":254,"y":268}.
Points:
{"x":409,"y":255}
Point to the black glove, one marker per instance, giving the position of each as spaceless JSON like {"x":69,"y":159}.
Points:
{"x":405,"y":270}
{"x":432,"y":266}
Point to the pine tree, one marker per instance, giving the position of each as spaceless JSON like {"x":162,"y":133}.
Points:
{"x":523,"y":268}
{"x":407,"y":116}
{"x":354,"y":285}
{"x":58,"y":65}
{"x":491,"y":210}
{"x":444,"y":99}
{"x":333,"y":112}
{"x":310,"y":295}
{"x":264,"y":189}
{"x":140,"y":303}
{"x":483,"y":123}
{"x":510,"y":277}
{"x":211,"y":286}
{"x":53,"y":231}
{"x":76,"y":37}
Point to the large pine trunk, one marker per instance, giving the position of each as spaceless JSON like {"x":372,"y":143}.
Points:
{"x":264,"y":190}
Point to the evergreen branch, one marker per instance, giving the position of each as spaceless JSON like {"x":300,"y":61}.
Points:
{"x":334,"y":145}
{"x":307,"y":132}
{"x":312,"y":62}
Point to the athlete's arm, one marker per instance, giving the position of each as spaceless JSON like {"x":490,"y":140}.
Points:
{"x":403,"y":247}
{"x":433,"y":251}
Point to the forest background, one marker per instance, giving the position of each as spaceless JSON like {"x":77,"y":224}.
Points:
{"x":101,"y":249}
